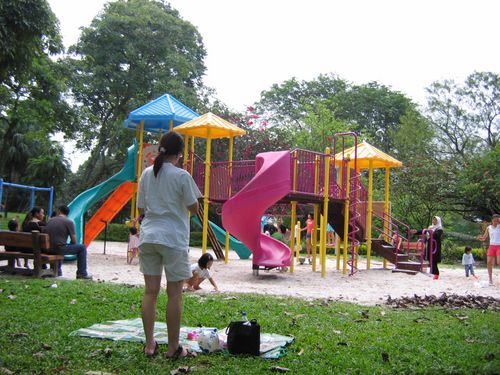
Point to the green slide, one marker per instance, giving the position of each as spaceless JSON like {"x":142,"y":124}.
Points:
{"x":88,"y":198}
{"x":238,"y":246}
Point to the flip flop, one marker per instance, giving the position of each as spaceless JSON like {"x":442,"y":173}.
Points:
{"x":155,"y":352}
{"x":178,"y":353}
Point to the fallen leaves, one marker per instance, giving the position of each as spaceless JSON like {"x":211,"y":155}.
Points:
{"x":72,"y":302}
{"x":5,"y":371}
{"x":447,"y":301}
{"x":11,"y":296}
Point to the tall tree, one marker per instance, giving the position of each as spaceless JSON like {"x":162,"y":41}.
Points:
{"x":132,"y":52}
{"x":372,"y":109}
{"x":32,"y":106}
{"x":466,"y":116}
{"x":28,"y":29}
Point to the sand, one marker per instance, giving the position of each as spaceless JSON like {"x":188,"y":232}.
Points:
{"x":366,"y":287}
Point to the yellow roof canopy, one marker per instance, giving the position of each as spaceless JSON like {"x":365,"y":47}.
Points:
{"x":366,"y":153}
{"x":209,"y":126}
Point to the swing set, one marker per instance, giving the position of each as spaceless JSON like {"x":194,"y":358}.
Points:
{"x":32,"y":189}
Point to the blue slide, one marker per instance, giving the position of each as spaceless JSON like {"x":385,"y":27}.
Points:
{"x":90,"y":197}
{"x":238,"y":246}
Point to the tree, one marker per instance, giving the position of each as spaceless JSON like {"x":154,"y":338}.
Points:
{"x":374,"y":110}
{"x":479,"y":184}
{"x":132,"y":52}
{"x":419,"y":187}
{"x":466,"y":116}
{"x":28,"y":29}
{"x":371,"y":109}
{"x":32,"y":106}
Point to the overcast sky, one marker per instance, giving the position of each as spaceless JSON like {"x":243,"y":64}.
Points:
{"x":402,"y":44}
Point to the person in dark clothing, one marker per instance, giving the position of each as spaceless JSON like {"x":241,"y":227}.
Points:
{"x":59,"y":229}
{"x":34,"y":220}
{"x":433,"y":242}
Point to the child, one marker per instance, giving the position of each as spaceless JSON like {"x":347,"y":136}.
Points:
{"x":13,"y":226}
{"x":133,"y":244}
{"x":309,"y":228}
{"x":468,"y":262}
{"x":200,"y":272}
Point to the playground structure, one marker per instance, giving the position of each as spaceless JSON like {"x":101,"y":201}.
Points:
{"x":246,"y":189}
{"x":32,"y":189}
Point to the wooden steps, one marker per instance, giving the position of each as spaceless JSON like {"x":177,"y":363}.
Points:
{"x":402,"y":261}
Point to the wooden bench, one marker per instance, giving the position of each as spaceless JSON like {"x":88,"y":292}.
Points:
{"x":36,"y":241}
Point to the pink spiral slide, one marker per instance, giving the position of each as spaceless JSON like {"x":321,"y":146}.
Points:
{"x":241,"y":214}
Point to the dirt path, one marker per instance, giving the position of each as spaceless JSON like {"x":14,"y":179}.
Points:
{"x":365,"y":287}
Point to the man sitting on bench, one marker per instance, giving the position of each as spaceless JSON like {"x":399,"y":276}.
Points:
{"x":59,"y":228}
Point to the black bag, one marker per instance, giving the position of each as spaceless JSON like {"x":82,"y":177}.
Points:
{"x":243,"y":337}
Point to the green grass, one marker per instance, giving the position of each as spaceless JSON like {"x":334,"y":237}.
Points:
{"x":335,"y":337}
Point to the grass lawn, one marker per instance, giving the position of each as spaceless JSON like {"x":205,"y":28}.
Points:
{"x":331,"y":337}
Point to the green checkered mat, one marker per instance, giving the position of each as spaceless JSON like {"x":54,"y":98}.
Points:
{"x":271,"y":345}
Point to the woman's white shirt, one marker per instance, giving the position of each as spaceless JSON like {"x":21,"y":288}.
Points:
{"x":165,"y":199}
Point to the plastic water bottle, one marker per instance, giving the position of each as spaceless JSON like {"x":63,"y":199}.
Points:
{"x":244,"y":318}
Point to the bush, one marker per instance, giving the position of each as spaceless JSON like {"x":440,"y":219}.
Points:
{"x":452,"y":252}
{"x":195,"y":239}
{"x":115,"y":232}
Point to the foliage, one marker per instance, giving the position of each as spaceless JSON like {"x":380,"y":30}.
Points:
{"x":328,"y":335}
{"x":467,"y":122}
{"x":371,"y":109}
{"x":133,"y":52}
{"x":28,"y":30}
{"x":479,"y":184}
{"x":32,"y":107}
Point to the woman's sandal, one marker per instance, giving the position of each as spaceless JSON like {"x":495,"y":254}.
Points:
{"x":155,"y":352}
{"x":179,"y":351}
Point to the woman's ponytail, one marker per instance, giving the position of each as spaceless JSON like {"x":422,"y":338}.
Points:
{"x":158,"y":162}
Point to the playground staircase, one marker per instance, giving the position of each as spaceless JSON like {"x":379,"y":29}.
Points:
{"x":217,"y":248}
{"x":400,"y":259}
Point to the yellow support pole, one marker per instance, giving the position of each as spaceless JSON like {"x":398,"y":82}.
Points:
{"x":369,"y":215}
{"x":133,"y":204}
{"x":314,"y":236}
{"x":230,"y":173}
{"x":324,"y":219}
{"x":186,"y":152}
{"x":299,"y":240}
{"x":139,"y":160}
{"x":316,"y":216}
{"x":171,"y":125}
{"x":346,"y":216}
{"x":292,"y":235}
{"x":206,"y":195}
{"x":337,"y":250}
{"x":386,"y":208}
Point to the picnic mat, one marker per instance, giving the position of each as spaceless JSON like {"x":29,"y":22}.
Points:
{"x":272,"y":345}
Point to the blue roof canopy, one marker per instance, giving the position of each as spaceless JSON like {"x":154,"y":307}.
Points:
{"x":158,"y":113}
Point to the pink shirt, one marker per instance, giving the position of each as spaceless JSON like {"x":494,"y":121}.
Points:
{"x":309,"y":225}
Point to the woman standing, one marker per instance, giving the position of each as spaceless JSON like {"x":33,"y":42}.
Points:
{"x":166,"y":195}
{"x":433,"y":243}
{"x":493,"y":232}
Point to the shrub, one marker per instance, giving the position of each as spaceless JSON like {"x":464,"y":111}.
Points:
{"x":115,"y":232}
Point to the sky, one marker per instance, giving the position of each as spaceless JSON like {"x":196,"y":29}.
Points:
{"x":252,"y":45}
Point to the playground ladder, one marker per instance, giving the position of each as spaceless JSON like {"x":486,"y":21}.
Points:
{"x":211,"y":236}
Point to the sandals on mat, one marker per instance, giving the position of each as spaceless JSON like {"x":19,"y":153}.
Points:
{"x":155,"y":352}
{"x":179,"y":351}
